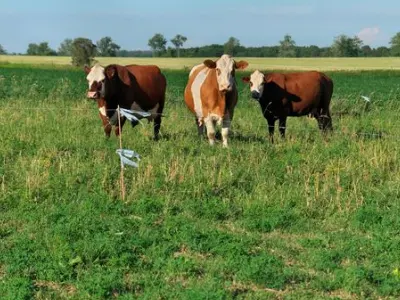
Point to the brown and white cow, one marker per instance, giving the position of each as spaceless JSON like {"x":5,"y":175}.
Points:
{"x":292,"y":94}
{"x":211,"y":95}
{"x":140,"y":88}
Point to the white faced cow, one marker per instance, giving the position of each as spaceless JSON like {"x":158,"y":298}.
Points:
{"x":141,"y":88}
{"x":211,"y":95}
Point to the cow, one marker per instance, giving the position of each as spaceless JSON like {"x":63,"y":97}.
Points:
{"x":211,"y":95}
{"x":136,"y":87}
{"x":292,"y":94}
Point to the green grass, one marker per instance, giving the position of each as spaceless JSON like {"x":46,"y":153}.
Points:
{"x":325,"y":63}
{"x":305,"y":218}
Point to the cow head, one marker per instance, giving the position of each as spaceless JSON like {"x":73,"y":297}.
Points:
{"x":95,"y":77}
{"x":225,"y":68}
{"x":256,"y":81}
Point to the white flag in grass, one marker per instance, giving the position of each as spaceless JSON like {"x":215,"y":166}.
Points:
{"x":131,"y":115}
{"x":367,"y":99}
{"x":125,"y":154}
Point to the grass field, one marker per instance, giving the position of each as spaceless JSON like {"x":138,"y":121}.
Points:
{"x":327,"y":64}
{"x":305,"y":218}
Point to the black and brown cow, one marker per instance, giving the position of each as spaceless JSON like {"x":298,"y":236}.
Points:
{"x":134,"y":87}
{"x":283,"y":95}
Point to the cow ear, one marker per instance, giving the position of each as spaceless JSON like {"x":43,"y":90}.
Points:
{"x":210,"y":64}
{"x":241,"y":65}
{"x":87,"y":69}
{"x":123,"y":74}
{"x":246,"y":79}
{"x":110,"y":71}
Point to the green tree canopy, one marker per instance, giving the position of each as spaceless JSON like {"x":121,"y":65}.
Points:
{"x":344,"y":46}
{"x":287,"y":47}
{"x":106,"y":47}
{"x":178,"y":42}
{"x":231,"y":46}
{"x":42,"y":49}
{"x":82,"y":51}
{"x":2,"y":50}
{"x":395,"y":45}
{"x":65,"y":48}
{"x":158,"y":44}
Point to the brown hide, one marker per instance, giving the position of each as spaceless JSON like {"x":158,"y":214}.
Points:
{"x":213,"y":101}
{"x":145,"y":85}
{"x":296,"y":94}
{"x":301,"y":93}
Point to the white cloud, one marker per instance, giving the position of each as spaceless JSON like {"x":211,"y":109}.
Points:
{"x":369,"y":35}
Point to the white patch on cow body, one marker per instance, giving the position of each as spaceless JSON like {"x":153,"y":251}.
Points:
{"x":257,"y":82}
{"x":196,"y":92}
{"x":195,"y":68}
{"x":102,"y":111}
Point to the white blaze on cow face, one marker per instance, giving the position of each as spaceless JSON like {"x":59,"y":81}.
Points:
{"x":95,"y":80}
{"x":257,"y":83}
{"x":225,"y":67}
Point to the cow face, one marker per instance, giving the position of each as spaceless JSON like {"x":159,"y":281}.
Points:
{"x":256,"y":81}
{"x":95,"y":77}
{"x":225,"y":69}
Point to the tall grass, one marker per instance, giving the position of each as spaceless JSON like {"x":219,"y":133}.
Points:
{"x":307,"y":217}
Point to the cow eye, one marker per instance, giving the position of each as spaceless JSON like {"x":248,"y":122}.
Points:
{"x":251,"y":84}
{"x":218,"y":71}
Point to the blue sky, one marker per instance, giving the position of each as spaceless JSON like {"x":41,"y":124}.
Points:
{"x":254,"y":22}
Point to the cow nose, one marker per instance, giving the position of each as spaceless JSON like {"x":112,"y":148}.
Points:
{"x":255,"y":95}
{"x":92,"y":95}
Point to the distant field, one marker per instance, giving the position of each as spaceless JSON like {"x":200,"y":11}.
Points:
{"x":305,"y":218}
{"x":327,"y":64}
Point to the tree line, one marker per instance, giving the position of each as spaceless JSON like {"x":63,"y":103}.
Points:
{"x":83,"y":50}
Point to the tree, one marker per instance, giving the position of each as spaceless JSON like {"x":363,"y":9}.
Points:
{"x":33,"y":49}
{"x":2,"y":50}
{"x":65,"y":48}
{"x":41,"y":49}
{"x":287,"y":47}
{"x":106,"y":47}
{"x":366,"y":51}
{"x":231,"y":46}
{"x":178,"y":41}
{"x":344,"y":46}
{"x":158,"y":44}
{"x":395,"y":45}
{"x":82,"y":51}
{"x":381,"y":51}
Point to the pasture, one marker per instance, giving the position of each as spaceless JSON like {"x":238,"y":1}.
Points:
{"x":325,"y":64}
{"x":305,"y":218}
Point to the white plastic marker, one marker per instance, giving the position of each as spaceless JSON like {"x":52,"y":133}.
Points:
{"x":366,"y":98}
{"x":125,"y":154}
{"x":129,"y":114}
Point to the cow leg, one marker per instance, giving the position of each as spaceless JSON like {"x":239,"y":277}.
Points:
{"x":282,"y":126}
{"x":156,"y":127}
{"x":226,"y":124}
{"x":325,"y":121}
{"x":200,"y":128}
{"x":210,"y":130}
{"x":271,"y":128}
{"x":157,"y":120}
{"x":106,"y":125}
{"x":118,"y":130}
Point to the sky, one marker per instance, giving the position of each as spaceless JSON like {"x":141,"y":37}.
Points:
{"x":131,"y":23}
